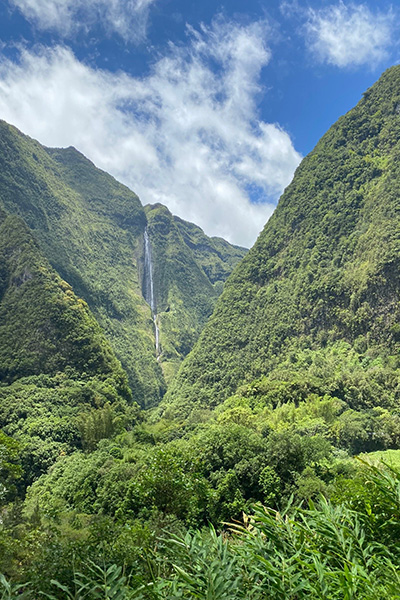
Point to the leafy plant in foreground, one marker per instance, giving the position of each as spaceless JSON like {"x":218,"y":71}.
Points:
{"x":102,"y":583}
{"x":11,"y":591}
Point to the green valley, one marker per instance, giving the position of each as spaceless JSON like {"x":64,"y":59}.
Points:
{"x":90,"y":228}
{"x":181,"y":418}
{"x":189,"y":271}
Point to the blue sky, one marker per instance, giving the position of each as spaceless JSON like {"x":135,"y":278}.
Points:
{"x":204,"y":106}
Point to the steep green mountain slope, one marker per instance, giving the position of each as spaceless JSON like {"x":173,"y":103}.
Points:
{"x":57,"y":370}
{"x":215,"y":256}
{"x":189,"y":270}
{"x":44,"y":327}
{"x":90,"y":228}
{"x":324,"y":269}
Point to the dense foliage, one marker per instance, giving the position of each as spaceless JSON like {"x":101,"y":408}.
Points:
{"x":291,"y":433}
{"x":44,"y":327}
{"x":56,"y":366}
{"x":284,"y":439}
{"x":340,"y":549}
{"x":326,"y":266}
{"x":245,"y":482}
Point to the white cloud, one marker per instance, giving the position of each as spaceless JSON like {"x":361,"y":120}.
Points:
{"x":350,"y":34}
{"x":186,"y":135}
{"x":127,"y":18}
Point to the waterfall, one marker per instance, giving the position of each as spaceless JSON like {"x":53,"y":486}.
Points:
{"x":148,"y":274}
{"x":148,"y":286}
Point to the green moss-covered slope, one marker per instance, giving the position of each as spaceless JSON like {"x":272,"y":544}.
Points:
{"x":326,"y":266}
{"x":90,"y":228}
{"x":216,"y":257}
{"x":189,"y":270}
{"x":44,"y":327}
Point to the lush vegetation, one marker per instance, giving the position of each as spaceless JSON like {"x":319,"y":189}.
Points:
{"x":285,"y":440}
{"x":326,"y":266}
{"x":58,"y":372}
{"x":90,"y":228}
{"x":215,"y":255}
{"x":343,"y":548}
{"x":261,"y":474}
{"x":44,"y":327}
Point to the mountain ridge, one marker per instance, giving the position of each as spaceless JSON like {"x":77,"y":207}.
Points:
{"x":324,"y":267}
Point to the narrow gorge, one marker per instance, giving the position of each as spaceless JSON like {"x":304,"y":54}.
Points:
{"x":148,"y":287}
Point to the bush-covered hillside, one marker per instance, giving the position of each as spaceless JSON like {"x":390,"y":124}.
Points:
{"x":326,"y":266}
{"x":90,"y":228}
{"x":61,"y":386}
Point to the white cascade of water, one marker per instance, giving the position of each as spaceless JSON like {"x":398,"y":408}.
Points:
{"x":148,"y":291}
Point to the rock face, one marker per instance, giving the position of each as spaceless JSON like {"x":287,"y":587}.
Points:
{"x":324,"y":270}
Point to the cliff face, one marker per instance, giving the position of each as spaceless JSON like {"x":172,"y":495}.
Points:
{"x":189,"y":270}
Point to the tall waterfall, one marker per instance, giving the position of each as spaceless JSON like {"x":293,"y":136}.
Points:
{"x":148,"y":286}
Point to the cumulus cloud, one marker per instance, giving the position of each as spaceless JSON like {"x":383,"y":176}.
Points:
{"x":187,"y":134}
{"x":127,"y":18}
{"x":350,"y":35}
